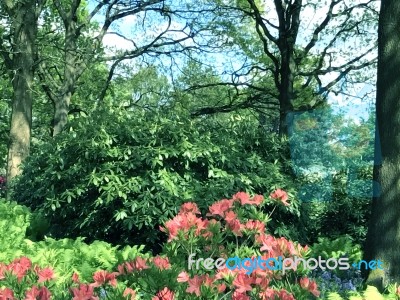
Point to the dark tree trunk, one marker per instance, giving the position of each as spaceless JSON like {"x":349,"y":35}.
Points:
{"x":383,"y":238}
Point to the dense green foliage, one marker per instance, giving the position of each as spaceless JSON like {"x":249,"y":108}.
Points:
{"x":131,"y":170}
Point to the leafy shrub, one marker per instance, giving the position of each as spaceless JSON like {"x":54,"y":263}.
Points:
{"x":116,"y":176}
{"x":342,"y":213}
{"x":14,"y":221}
{"x":341,"y":282}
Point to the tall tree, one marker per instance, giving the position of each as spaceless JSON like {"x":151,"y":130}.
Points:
{"x":383,"y":238}
{"x":18,"y":51}
{"x":82,"y":44}
{"x":296,"y":53}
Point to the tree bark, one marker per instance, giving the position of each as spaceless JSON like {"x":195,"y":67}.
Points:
{"x":72,"y":70}
{"x":24,"y":28}
{"x":383,"y":238}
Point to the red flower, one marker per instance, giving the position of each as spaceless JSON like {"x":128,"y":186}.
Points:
{"x":75,"y":277}
{"x":19,"y":267}
{"x":220,"y":207}
{"x":45,"y":274}
{"x":242,"y":197}
{"x":285,"y":295}
{"x":309,"y":285}
{"x":221,"y":287}
{"x":258,"y":199}
{"x":84,"y":292}
{"x":280,"y":195}
{"x":267,"y":294}
{"x":230,"y":216}
{"x":161,"y":263}
{"x":240,"y":296}
{"x":129,"y":291}
{"x":235,"y":226}
{"x":102,"y":277}
{"x":43,"y":293}
{"x":183,"y":277}
{"x":255,"y":225}
{"x":243,"y":283}
{"x":189,"y":207}
{"x":140,"y":264}
{"x":165,"y":294}
{"x":194,"y":285}
{"x":6,"y":294}
{"x":184,"y":222}
{"x":3,"y":268}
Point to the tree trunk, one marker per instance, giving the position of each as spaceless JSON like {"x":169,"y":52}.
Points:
{"x":71,"y":75}
{"x":383,"y":238}
{"x":286,"y":89}
{"x":24,"y":24}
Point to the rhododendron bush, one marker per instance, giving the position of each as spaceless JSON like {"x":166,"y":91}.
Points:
{"x":134,"y":169}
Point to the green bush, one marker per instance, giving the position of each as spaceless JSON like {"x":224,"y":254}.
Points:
{"x":14,"y":221}
{"x":117,"y":175}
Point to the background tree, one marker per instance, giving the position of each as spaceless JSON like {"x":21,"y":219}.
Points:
{"x":295,"y":58}
{"x":384,"y":229}
{"x":18,"y":50}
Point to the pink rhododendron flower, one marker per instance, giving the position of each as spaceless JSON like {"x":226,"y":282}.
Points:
{"x":230,"y":216}
{"x":236,"y":227}
{"x":243,"y":282}
{"x":242,"y":197}
{"x":75,"y":277}
{"x":267,"y":294}
{"x":129,"y":292}
{"x":183,"y":277}
{"x":255,"y":225}
{"x":140,"y":264}
{"x":6,"y":294}
{"x":34,"y":293}
{"x":281,"y":196}
{"x":189,"y":207}
{"x":84,"y":292}
{"x":194,"y":285}
{"x":220,"y":207}
{"x":164,"y":294}
{"x":19,"y":267}
{"x":184,"y":222}
{"x":285,"y":295}
{"x":309,"y":285}
{"x":3,"y":268}
{"x":240,"y":296}
{"x":161,"y":263}
{"x":45,"y":274}
{"x":102,"y":277}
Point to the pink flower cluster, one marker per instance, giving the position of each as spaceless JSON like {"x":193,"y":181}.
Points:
{"x":188,"y":224}
{"x":22,"y":268}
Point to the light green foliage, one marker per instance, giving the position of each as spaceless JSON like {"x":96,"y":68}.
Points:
{"x":129,"y":170}
{"x":342,"y":246}
{"x":371,"y":292}
{"x":14,"y":220}
{"x":65,"y":256}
